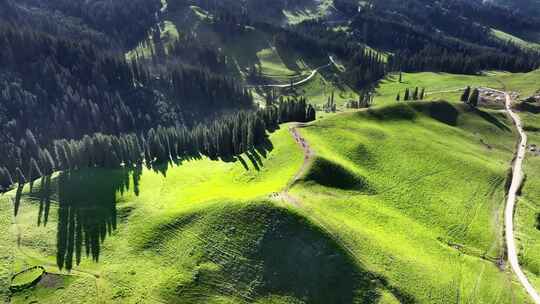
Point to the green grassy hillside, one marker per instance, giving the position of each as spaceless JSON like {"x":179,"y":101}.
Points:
{"x":6,"y":248}
{"x":425,"y":201}
{"x":516,"y":40}
{"x":201,"y":232}
{"x":403,"y":204}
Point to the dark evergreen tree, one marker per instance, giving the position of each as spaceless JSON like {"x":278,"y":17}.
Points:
{"x":474,"y":98}
{"x":466,"y":94}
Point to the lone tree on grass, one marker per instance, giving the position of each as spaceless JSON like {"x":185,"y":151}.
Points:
{"x":466,"y":94}
{"x":473,"y":98}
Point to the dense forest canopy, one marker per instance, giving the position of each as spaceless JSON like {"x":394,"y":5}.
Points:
{"x":70,"y":98}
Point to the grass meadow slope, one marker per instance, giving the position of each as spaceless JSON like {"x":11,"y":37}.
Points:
{"x":402,"y":204}
{"x":202,"y":232}
{"x":416,"y":192}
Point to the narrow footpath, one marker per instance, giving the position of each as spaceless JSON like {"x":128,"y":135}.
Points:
{"x":309,"y":154}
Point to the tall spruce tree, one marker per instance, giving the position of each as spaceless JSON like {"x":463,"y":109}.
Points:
{"x":415,"y":94}
{"x":474,"y":98}
{"x":466,"y":94}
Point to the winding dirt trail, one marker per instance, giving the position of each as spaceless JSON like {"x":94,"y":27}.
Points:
{"x":517,"y":179}
{"x":309,"y":155}
{"x":306,"y":148}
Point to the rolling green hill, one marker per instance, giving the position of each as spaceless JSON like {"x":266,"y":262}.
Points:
{"x":422,"y":227}
{"x":428,"y":217}
{"x":156,"y":172}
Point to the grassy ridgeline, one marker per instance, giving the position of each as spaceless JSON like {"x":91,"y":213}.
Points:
{"x":431,"y":222}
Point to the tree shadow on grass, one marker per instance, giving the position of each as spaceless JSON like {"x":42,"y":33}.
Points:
{"x":492,"y":119}
{"x":86,"y":205}
{"x":86,"y":212}
{"x":256,"y":155}
{"x":441,"y":111}
{"x":533,"y":108}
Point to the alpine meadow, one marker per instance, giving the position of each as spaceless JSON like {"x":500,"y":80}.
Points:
{"x":270,"y":151}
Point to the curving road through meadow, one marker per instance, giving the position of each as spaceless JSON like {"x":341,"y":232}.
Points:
{"x":517,"y":179}
{"x":300,"y":82}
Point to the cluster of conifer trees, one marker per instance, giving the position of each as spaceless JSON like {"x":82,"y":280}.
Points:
{"x":365,"y":100}
{"x":225,"y":137}
{"x":463,"y":61}
{"x":416,"y":94}
{"x":471,"y":97}
{"x":52,"y":88}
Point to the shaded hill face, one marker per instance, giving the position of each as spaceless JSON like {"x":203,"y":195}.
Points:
{"x":465,"y":20}
{"x":530,"y":7}
{"x":264,"y":253}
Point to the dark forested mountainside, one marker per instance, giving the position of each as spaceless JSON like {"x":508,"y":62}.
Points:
{"x":118,"y":23}
{"x":68,"y":93}
{"x":450,"y":36}
{"x":54,"y":88}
